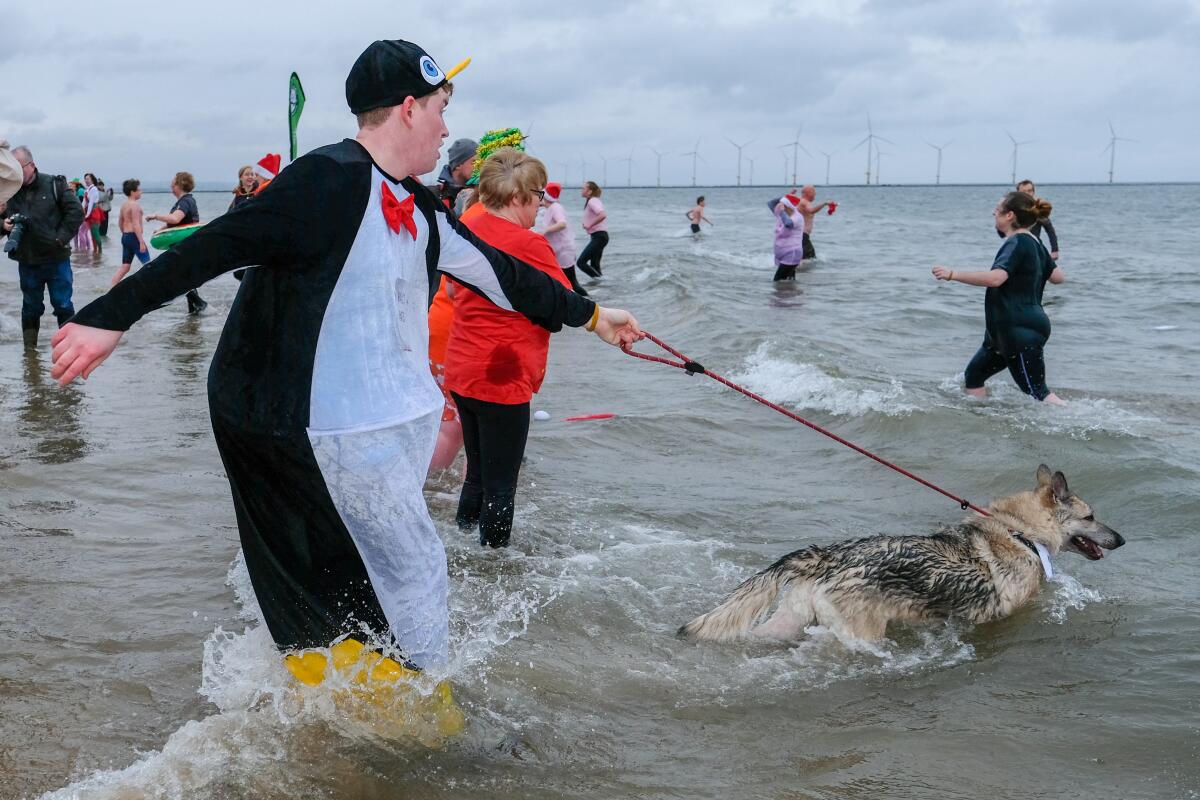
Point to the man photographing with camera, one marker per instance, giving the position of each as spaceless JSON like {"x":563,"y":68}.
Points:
{"x":39,"y":222}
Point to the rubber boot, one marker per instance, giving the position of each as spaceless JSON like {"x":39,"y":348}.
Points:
{"x":470,"y":503}
{"x":495,"y":523}
{"x":29,"y":333}
{"x":195,"y":302}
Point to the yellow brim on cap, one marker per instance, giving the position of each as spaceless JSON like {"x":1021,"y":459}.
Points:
{"x":458,"y":68}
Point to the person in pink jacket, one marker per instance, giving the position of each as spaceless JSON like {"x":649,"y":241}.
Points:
{"x":595,"y":222}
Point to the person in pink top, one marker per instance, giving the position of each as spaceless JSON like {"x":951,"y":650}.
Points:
{"x":595,"y":222}
{"x":554,"y":218}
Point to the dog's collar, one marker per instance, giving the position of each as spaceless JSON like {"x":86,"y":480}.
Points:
{"x":1038,"y":549}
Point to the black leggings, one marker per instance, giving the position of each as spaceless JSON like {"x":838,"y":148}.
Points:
{"x":1028,"y":369}
{"x":494,"y":437}
{"x":785,"y":272}
{"x":570,"y":273}
{"x":589,"y":259}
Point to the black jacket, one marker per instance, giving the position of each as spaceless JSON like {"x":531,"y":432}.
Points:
{"x":55,"y":216}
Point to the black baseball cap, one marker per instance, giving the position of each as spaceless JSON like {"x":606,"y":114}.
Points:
{"x":387,"y":72}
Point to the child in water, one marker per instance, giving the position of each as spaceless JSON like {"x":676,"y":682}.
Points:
{"x":696,"y":215}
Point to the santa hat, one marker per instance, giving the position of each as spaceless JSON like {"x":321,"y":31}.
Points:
{"x":793,"y":199}
{"x":553,"y":190}
{"x":269,"y":165}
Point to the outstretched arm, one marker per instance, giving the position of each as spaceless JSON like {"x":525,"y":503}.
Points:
{"x":283,"y":227}
{"x":988,"y":278}
{"x":515,"y":286}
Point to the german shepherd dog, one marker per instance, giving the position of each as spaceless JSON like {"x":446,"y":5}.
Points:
{"x":983,"y":569}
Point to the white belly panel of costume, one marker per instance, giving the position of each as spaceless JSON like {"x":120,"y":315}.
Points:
{"x":372,"y":362}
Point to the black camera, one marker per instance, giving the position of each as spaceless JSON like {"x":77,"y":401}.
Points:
{"x":20,"y":223}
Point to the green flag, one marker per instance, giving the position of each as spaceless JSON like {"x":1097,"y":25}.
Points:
{"x":295,"y":107}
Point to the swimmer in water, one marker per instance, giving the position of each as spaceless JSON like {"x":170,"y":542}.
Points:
{"x":789,"y":236}
{"x":1016,"y":326}
{"x":696,"y":216}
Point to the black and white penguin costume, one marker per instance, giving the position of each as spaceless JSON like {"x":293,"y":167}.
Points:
{"x":322,"y":402}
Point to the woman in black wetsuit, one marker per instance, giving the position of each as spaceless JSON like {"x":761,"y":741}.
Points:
{"x":1016,"y":326}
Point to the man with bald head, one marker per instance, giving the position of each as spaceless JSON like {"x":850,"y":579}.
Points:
{"x":807,"y":210}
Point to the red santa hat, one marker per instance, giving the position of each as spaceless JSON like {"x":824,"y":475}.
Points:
{"x":553,"y":190}
{"x":269,"y":166}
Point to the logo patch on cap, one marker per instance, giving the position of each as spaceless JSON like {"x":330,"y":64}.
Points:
{"x":431,"y":72}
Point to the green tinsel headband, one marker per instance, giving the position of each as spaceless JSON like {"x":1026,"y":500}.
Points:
{"x":490,"y":143}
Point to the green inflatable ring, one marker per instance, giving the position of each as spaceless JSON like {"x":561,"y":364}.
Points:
{"x":170,"y":236}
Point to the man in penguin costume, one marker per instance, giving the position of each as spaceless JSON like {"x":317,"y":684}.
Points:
{"x":322,"y":403}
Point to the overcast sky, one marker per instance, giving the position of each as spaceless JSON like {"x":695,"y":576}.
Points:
{"x":143,"y":90}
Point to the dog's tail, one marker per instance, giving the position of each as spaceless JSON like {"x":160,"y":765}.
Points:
{"x":740,"y":611}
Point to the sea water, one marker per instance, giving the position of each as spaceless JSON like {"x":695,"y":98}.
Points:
{"x":135,"y":663}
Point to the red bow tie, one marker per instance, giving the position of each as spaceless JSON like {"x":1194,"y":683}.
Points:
{"x":398,"y":213}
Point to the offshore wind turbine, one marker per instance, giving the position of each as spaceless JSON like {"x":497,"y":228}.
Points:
{"x":751,"y":160}
{"x":1016,"y":147}
{"x":828,"y":157}
{"x":1112,"y":149}
{"x":869,"y":141}
{"x":937,"y":180}
{"x":878,"y":156}
{"x":695,"y":154}
{"x":739,"y":149}
{"x":628,"y":168}
{"x":795,"y":145}
{"x":658,"y":166}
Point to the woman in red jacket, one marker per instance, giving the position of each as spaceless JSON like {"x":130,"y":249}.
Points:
{"x":496,"y":359}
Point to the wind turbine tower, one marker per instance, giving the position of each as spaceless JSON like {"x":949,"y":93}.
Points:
{"x":1016,"y":148}
{"x":739,"y":149}
{"x":751,"y":160}
{"x":658,"y":167}
{"x":937,"y":180}
{"x":695,"y":154}
{"x":828,"y":158}
{"x":1112,"y":150}
{"x":628,"y":169}
{"x":869,"y":141}
{"x":796,"y":146}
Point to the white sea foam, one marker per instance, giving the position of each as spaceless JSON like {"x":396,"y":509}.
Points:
{"x":1080,"y":419}
{"x":1069,"y":595}
{"x":802,"y":385}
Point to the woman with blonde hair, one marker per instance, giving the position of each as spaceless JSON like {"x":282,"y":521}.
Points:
{"x":1016,"y":326}
{"x":496,"y":359}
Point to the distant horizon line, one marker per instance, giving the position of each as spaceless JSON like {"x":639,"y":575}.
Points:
{"x":208,"y":187}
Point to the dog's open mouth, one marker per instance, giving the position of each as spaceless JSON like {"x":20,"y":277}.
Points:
{"x":1089,"y":548}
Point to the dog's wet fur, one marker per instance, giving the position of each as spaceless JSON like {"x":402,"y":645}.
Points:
{"x":977,"y":571}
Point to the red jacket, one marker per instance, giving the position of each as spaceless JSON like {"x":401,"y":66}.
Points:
{"x":495,"y":355}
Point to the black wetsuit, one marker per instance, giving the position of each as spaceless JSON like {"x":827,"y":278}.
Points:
{"x":1016,"y":326}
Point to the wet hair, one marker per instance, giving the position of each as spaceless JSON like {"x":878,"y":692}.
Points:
{"x":594,"y":188}
{"x":507,"y":175}
{"x":1028,"y":210}
{"x":373,"y":118}
{"x":699,"y":199}
{"x":130,"y":186}
{"x":185,"y":181}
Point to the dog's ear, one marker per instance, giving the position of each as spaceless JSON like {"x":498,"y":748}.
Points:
{"x":1043,"y":475}
{"x":1059,"y":486}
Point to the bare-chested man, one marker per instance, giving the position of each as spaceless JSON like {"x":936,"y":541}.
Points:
{"x":696,"y":215}
{"x":808,"y":211}
{"x":132,"y":241}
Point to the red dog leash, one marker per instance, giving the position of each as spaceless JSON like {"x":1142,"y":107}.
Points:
{"x":693,"y":367}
